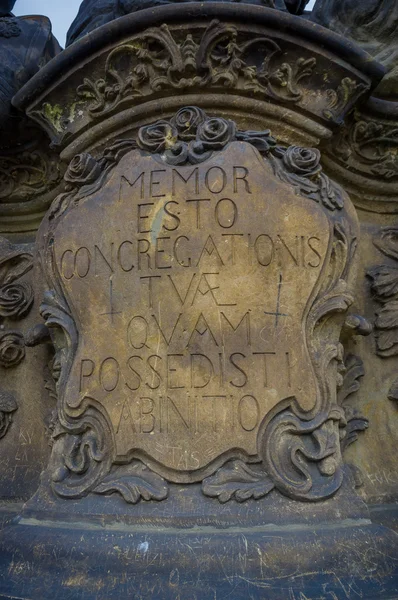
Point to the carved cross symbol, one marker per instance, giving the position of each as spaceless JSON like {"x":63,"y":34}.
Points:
{"x":278,"y":314}
{"x":112,"y":312}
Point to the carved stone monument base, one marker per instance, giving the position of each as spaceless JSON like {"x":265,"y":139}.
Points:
{"x":83,"y":560}
{"x":329,"y":549}
{"x":200,"y":309}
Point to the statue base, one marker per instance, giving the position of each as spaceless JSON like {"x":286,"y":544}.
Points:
{"x":79,"y":560}
{"x":195,"y":548}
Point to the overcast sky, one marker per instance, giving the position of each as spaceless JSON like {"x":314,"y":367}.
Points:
{"x":60,"y":12}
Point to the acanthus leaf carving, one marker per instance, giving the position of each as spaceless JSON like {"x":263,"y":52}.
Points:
{"x":387,"y":242}
{"x":219,"y":58}
{"x":385,"y":288}
{"x":134,"y":482}
{"x":237,"y":480}
{"x":343,"y":98}
{"x":27,"y":174}
{"x":387,"y":329}
{"x":15,"y":261}
{"x":368,"y":146}
{"x":352,"y":372}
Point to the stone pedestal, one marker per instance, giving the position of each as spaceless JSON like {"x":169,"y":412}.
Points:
{"x":207,"y":279}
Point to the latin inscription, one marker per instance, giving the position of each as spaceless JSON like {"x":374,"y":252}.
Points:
{"x":191,"y":285}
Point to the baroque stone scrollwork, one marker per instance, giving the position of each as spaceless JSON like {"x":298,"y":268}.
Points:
{"x":343,"y":98}
{"x":27,"y":174}
{"x":81,"y":438}
{"x":352,"y":371}
{"x":217,"y":59}
{"x":239,"y":481}
{"x":15,"y":261}
{"x":298,"y":451}
{"x":16,"y":299}
{"x":256,"y":61}
{"x":369,"y":146}
{"x":30,"y":173}
{"x":133,"y":482}
{"x":81,"y":446}
{"x":385,"y":289}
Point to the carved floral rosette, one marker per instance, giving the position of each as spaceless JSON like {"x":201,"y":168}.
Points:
{"x":296,"y":445}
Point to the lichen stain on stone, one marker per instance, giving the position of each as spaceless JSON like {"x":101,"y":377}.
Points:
{"x":54,"y":115}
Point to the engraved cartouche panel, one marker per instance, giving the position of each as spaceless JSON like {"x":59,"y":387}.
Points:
{"x":190,"y":287}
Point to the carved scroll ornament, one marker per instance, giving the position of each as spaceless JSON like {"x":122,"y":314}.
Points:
{"x":218,"y":59}
{"x":27,"y":174}
{"x":385,"y":289}
{"x":16,"y":299}
{"x":369,"y":146}
{"x":278,"y":433}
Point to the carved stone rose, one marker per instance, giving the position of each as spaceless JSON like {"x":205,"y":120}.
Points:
{"x":187,"y":121}
{"x":12,"y":349}
{"x":262,"y":140}
{"x":215,"y":133}
{"x":302,"y":161}
{"x":83,"y":170}
{"x":16,"y":300}
{"x":157,"y":137}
